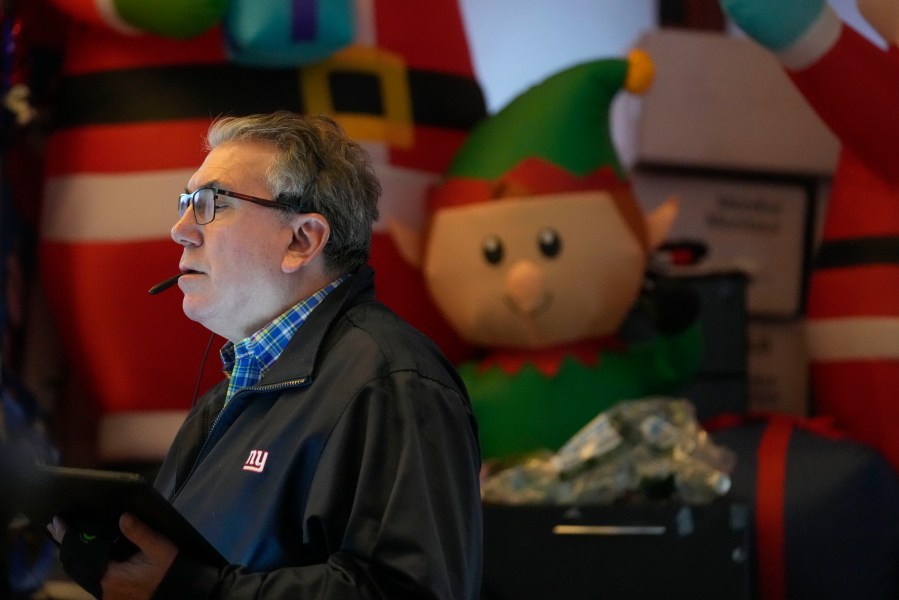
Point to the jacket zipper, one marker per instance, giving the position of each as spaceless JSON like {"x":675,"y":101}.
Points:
{"x":208,"y":443}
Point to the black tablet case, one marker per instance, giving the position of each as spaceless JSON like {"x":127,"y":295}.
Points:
{"x":87,"y":496}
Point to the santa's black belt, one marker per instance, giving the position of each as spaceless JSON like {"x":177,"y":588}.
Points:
{"x":858,"y":252}
{"x":203,"y":91}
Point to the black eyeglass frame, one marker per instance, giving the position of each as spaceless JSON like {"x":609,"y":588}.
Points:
{"x":186,"y":201}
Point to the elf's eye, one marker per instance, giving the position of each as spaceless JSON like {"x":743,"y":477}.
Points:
{"x":549,"y":242}
{"x":492,"y":247}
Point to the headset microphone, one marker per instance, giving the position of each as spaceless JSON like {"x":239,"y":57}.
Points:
{"x":164,"y":285}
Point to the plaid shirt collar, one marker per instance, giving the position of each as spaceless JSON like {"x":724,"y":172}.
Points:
{"x":248,"y":360}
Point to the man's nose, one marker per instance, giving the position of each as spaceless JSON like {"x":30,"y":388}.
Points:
{"x":185,"y":231}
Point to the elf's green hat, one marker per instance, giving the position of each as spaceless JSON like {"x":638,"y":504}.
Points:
{"x":555,"y":134}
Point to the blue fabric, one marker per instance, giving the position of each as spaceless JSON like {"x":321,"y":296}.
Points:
{"x":840,"y":523}
{"x":248,"y":360}
{"x":285,"y":33}
{"x":27,"y":557}
{"x":776,"y":24}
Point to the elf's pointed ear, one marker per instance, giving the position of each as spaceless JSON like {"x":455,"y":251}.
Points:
{"x":409,"y":242}
{"x":659,"y":221}
{"x":311,"y":232}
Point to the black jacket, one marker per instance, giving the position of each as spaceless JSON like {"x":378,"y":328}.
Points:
{"x":349,"y":471}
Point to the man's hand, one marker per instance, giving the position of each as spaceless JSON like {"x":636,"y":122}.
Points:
{"x":139,"y":576}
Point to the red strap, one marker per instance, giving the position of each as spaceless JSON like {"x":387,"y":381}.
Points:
{"x":770,"y":488}
{"x":824,"y":425}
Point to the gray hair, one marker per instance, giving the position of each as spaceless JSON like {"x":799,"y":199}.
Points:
{"x":318,"y":168}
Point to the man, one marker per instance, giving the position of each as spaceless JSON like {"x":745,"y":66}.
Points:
{"x":340,"y":457}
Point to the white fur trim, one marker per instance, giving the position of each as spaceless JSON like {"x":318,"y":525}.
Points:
{"x":857,"y":338}
{"x":110,"y":15}
{"x":112,"y":207}
{"x":403,"y":190}
{"x":814,"y":43}
{"x":138,"y":435}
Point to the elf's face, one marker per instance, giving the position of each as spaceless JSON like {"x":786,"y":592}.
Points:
{"x":534,"y":272}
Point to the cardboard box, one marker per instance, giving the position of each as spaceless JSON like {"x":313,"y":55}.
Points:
{"x":778,"y":367}
{"x":651,"y":550}
{"x":724,"y":102}
{"x":758,"y":226}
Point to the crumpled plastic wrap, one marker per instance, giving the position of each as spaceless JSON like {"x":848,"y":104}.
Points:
{"x":647,"y":449}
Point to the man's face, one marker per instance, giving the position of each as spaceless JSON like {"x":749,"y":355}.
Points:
{"x":234,"y":282}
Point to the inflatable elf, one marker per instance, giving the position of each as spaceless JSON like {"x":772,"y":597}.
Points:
{"x":536,"y":252}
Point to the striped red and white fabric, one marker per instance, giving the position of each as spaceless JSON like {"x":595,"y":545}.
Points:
{"x":853,"y":298}
{"x":130,"y":127}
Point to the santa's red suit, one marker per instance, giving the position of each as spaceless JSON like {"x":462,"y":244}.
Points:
{"x":853,"y":299}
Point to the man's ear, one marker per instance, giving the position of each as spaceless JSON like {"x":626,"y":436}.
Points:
{"x":310,"y":234}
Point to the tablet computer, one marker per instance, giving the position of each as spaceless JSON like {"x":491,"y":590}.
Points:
{"x":95,"y":498}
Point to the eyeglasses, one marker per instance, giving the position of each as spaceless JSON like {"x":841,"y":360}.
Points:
{"x":203,"y":201}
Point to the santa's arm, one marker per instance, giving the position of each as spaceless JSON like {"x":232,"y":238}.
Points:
{"x":854,"y":87}
{"x":850,"y":82}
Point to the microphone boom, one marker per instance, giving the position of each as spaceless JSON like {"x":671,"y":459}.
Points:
{"x":164,"y":285}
